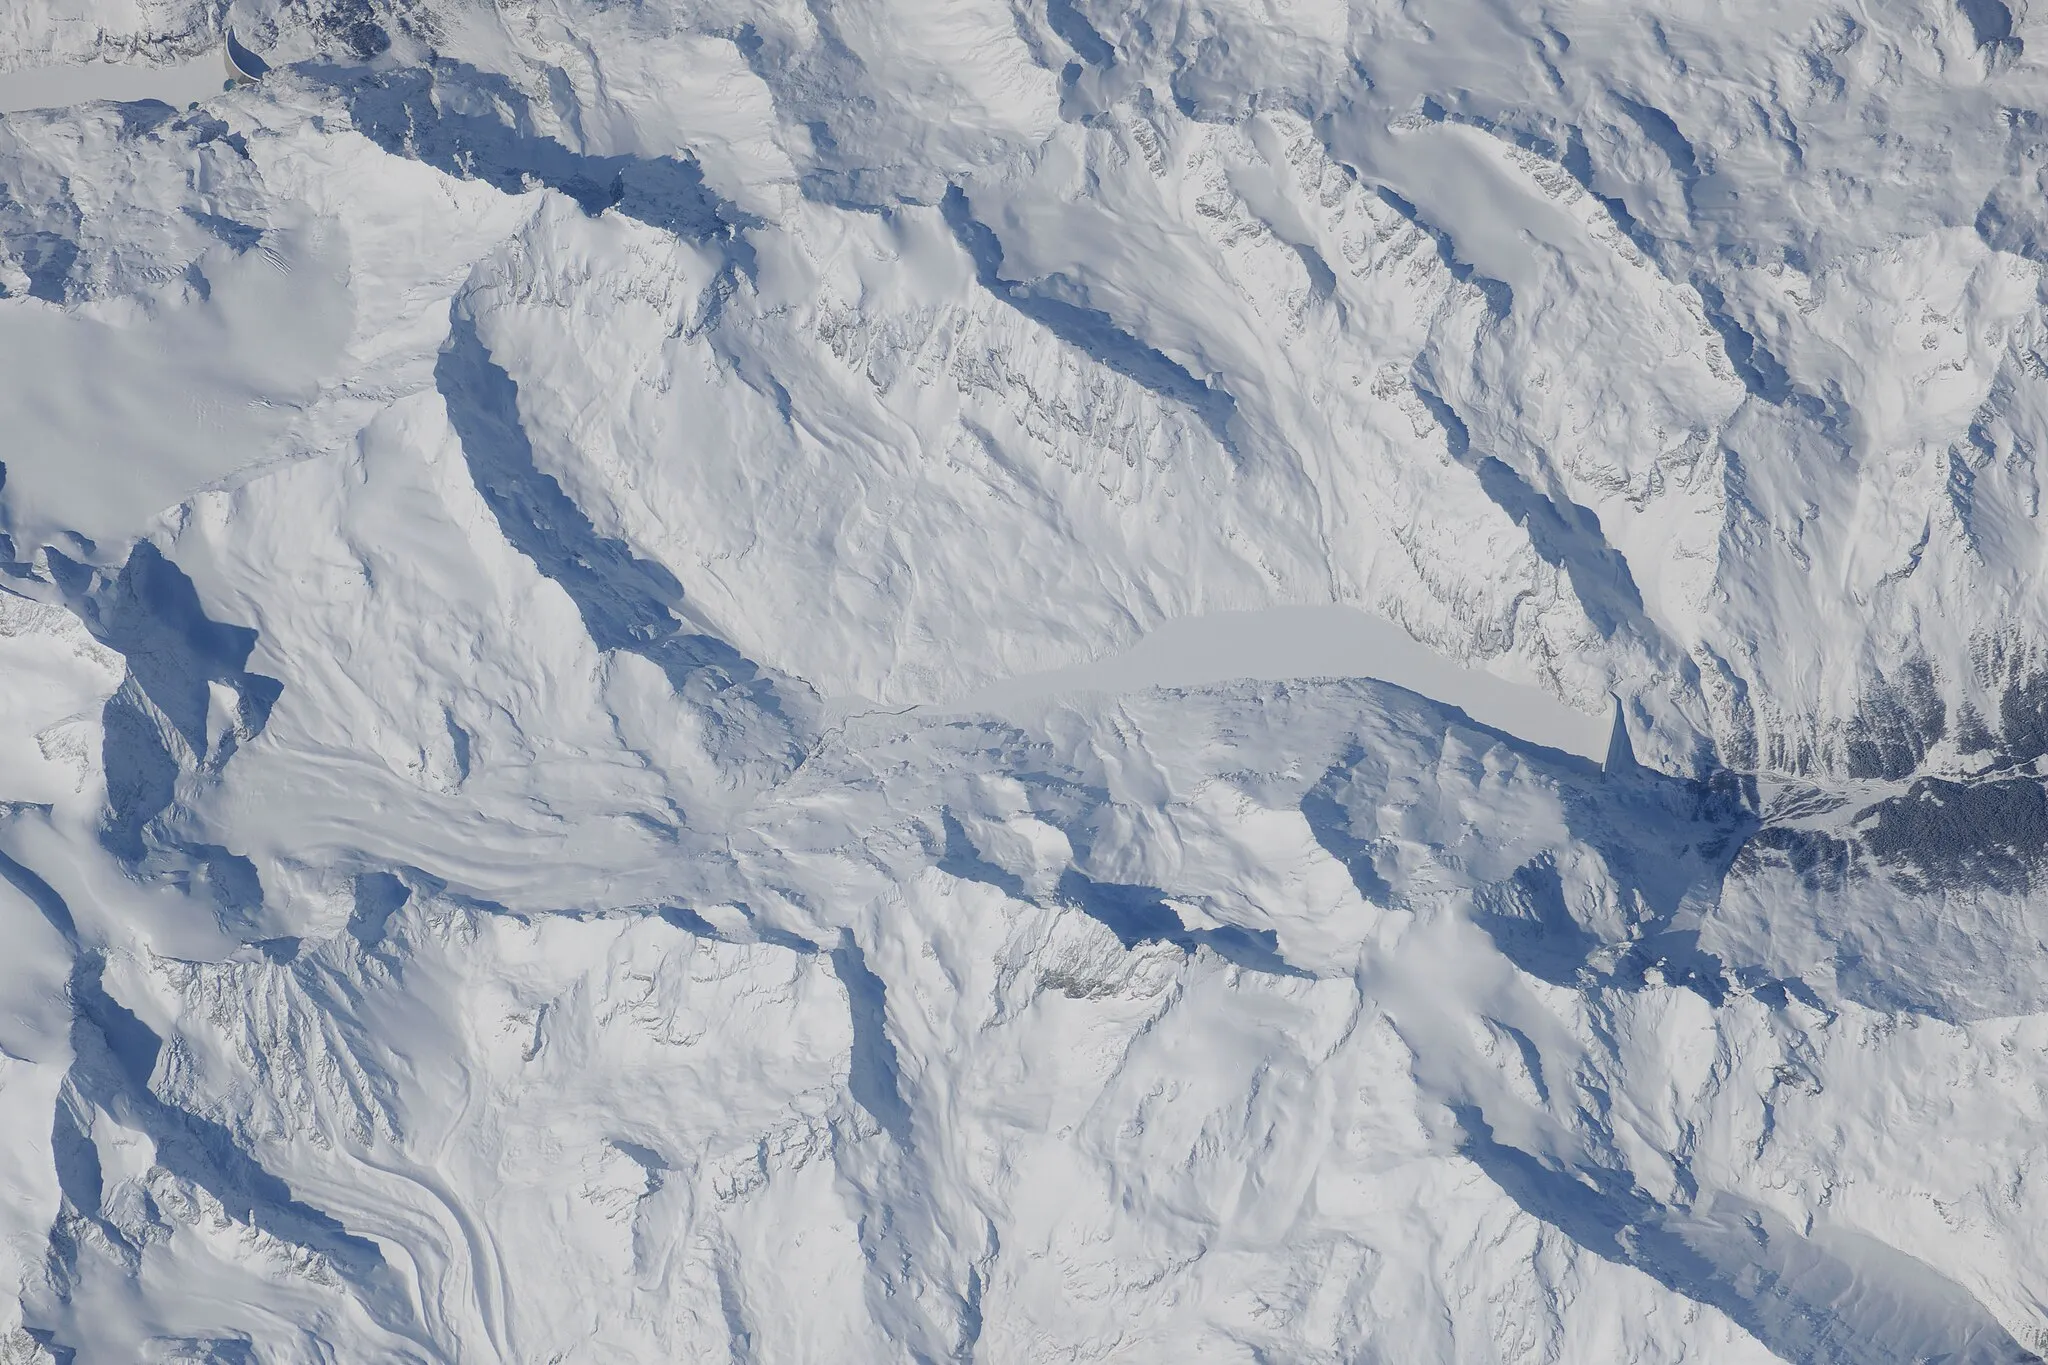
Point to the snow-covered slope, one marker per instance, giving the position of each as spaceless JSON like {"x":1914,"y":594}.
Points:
{"x":542,"y":543}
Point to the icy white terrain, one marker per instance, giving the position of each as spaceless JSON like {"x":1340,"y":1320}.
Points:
{"x":934,"y":680}
{"x":46,"y":87}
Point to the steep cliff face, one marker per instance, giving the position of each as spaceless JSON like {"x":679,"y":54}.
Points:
{"x":499,"y":515}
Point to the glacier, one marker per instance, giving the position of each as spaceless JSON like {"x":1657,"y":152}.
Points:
{"x":1343,"y":680}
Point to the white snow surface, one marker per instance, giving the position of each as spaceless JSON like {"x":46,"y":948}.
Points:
{"x":48,"y":87}
{"x":1281,"y":643}
{"x":885,"y":681}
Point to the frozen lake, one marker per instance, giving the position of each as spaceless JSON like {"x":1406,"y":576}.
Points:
{"x":1308,"y":642}
{"x":48,"y":87}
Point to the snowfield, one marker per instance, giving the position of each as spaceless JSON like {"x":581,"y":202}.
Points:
{"x":51,"y":87}
{"x":888,"y":681}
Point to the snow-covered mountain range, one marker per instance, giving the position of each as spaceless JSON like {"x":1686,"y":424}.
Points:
{"x":547,"y":548}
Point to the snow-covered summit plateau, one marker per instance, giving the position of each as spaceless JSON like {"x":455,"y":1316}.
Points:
{"x":937,"y":680}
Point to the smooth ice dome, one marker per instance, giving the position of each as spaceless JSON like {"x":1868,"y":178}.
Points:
{"x":877,"y":681}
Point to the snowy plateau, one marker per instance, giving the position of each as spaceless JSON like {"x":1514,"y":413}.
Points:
{"x":1024,"y":681}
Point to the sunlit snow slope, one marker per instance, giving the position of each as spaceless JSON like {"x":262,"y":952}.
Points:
{"x":579,"y":585}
